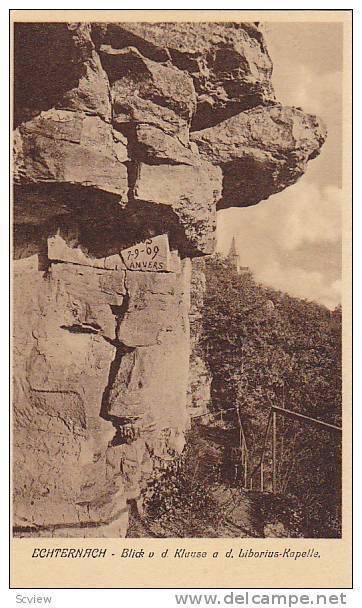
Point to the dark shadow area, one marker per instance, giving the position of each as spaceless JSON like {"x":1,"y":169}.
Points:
{"x":118,"y":37}
{"x":83,"y":216}
{"x":47,"y":64}
{"x":112,"y":377}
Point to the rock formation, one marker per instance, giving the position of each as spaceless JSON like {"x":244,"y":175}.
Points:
{"x":127,"y":139}
{"x":199,"y":389}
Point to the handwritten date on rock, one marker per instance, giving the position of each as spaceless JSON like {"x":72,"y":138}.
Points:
{"x":153,"y":254}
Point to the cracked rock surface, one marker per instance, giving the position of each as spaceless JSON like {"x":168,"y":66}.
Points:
{"x":124,"y":133}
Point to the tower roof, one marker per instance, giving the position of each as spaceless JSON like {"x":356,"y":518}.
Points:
{"x":233,"y":251}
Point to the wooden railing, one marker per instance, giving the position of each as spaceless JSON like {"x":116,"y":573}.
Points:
{"x":272,"y":423}
{"x":249,"y":479}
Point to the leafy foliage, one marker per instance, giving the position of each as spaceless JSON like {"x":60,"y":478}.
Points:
{"x":179,"y":498}
{"x":266,"y":348}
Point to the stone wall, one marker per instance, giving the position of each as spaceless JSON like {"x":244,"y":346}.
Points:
{"x":125,"y":135}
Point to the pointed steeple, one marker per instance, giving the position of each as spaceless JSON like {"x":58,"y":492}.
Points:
{"x":232,"y":251}
{"x":233,"y":256}
{"x":234,"y":259}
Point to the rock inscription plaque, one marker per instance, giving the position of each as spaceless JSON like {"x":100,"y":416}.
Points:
{"x":151,"y":255}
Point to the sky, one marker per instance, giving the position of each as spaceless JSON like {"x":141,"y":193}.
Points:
{"x":292,"y":241}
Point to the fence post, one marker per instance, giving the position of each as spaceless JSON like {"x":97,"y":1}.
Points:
{"x":246,"y":463}
{"x":274,"y":452}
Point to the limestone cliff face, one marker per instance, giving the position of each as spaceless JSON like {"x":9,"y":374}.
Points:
{"x":127,"y":139}
{"x":199,"y":389}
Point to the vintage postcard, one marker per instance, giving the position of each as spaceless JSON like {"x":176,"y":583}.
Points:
{"x":181,"y":353}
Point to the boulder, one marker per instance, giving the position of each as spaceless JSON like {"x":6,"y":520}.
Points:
{"x":190,"y":193}
{"x":56,"y":66}
{"x":64,"y":328}
{"x":59,"y":146}
{"x":153,"y":146}
{"x":228,"y":62}
{"x":152,"y":301}
{"x":144,"y":91}
{"x":261,"y":151}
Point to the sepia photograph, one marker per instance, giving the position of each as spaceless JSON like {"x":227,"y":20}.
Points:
{"x":177,"y":279}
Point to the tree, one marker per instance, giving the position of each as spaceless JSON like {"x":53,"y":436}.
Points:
{"x":266,"y":348}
